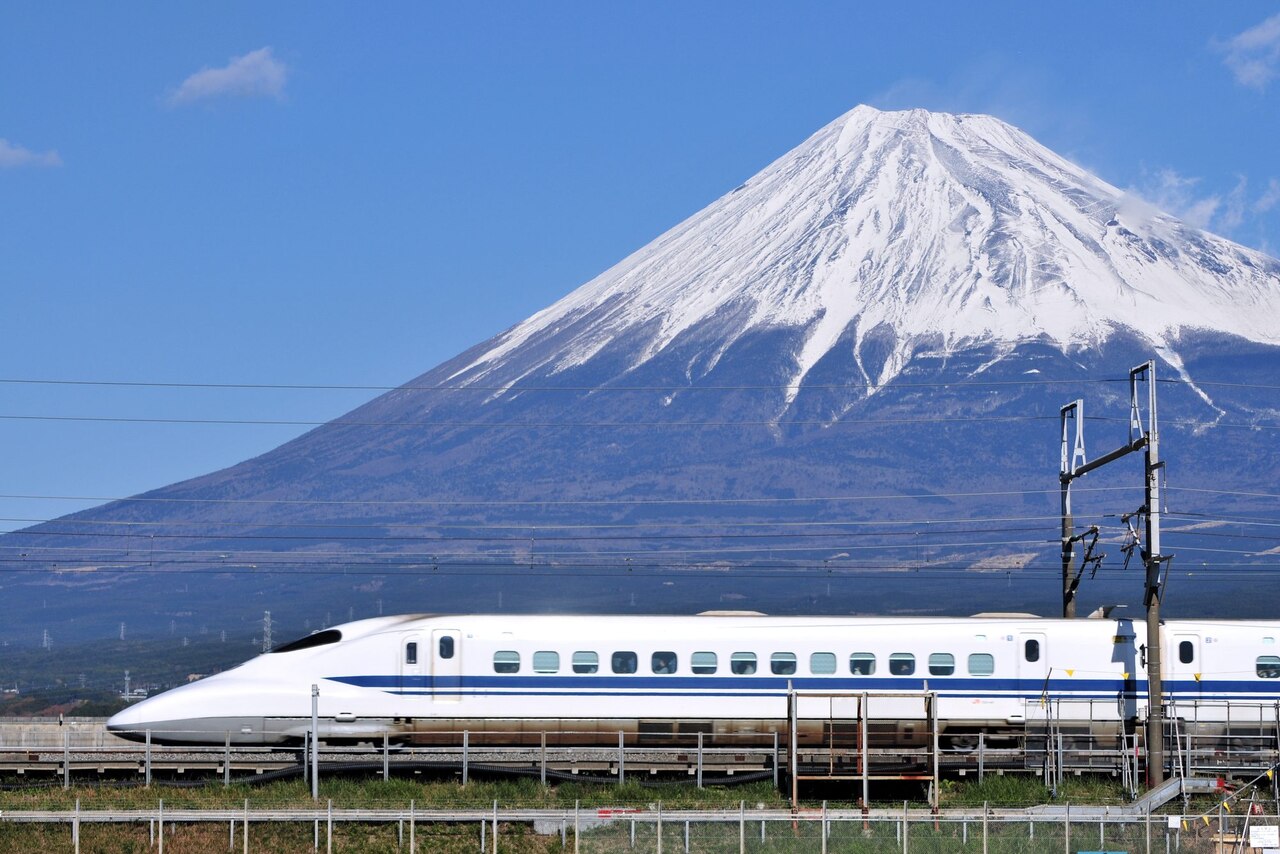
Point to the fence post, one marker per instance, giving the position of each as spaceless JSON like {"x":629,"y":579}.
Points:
{"x":226,"y":761}
{"x":984,"y":827}
{"x":982,"y":758}
{"x":328,"y":831}
{"x":413,"y":842}
{"x":315,"y":742}
{"x":246,"y":826}
{"x":576,"y":804}
{"x":622,"y":759}
{"x":386,"y":758}
{"x":466,"y":743}
{"x":775,"y":761}
{"x":742,"y":826}
{"x":823,"y":829}
{"x":66,"y":759}
{"x":1066,"y":827}
{"x":544,"y":758}
{"x":148,"y":759}
{"x":75,"y":828}
{"x":659,"y":828}
{"x":775,"y":757}
{"x":160,"y":824}
{"x":906,"y":828}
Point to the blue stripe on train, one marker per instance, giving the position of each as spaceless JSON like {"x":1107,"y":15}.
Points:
{"x":753,"y":685}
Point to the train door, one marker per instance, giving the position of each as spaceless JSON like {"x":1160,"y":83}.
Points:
{"x":412,"y":664}
{"x":446,"y":665}
{"x":1033,"y":667}
{"x":1183,"y":667}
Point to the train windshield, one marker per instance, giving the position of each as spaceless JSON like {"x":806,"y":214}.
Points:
{"x":317,"y":639}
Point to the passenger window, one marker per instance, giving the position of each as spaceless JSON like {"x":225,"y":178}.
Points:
{"x":1186,"y":652}
{"x":703,"y":663}
{"x":546,"y":662}
{"x":782,"y":663}
{"x":862,"y":664}
{"x":1269,"y":666}
{"x":585,"y":662}
{"x":663,"y":662}
{"x":941,"y":664}
{"x":981,"y":664}
{"x":743,"y":663}
{"x":446,"y":647}
{"x":1031,"y":650}
{"x":624,"y":662}
{"x":822,"y":663}
{"x":902,"y":664}
{"x":506,"y":661}
{"x":411,"y":653}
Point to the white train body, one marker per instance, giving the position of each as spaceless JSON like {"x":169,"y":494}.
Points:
{"x":584,"y":679}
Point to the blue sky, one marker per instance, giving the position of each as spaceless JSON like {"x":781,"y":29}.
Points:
{"x":348,"y":194}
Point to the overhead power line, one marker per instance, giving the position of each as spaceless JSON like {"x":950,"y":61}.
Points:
{"x":968,"y":381}
{"x":597,"y":502}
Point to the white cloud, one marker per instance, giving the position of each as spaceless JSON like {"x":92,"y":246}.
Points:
{"x":12,"y":156}
{"x":1167,"y":191}
{"x":1172,"y":193}
{"x":256,"y":74}
{"x":1233,"y":208}
{"x":1254,"y":55}
{"x":1269,"y":197}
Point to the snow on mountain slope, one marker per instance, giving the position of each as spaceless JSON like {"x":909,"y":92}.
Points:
{"x":942,"y":229}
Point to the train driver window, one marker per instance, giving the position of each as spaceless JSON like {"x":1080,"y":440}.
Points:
{"x":862,"y":664}
{"x":446,"y":647}
{"x":411,"y":652}
{"x":782,"y":663}
{"x":585,"y":662}
{"x":902,"y":664}
{"x":703,"y":663}
{"x":1031,"y":650}
{"x":822,"y":663}
{"x":1186,"y":652}
{"x":663,"y":662}
{"x":624,"y":662}
{"x":546,"y":662}
{"x":941,"y":664}
{"x":982,"y":664}
{"x":506,"y":661}
{"x":1269,"y":666}
{"x":742,"y":663}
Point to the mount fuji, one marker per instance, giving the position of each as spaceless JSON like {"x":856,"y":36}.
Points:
{"x":836,"y":388}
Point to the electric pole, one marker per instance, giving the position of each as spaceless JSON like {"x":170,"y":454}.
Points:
{"x":1146,"y":438}
{"x":266,"y":632}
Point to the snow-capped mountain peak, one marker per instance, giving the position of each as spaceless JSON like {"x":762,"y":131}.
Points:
{"x":926,"y":228}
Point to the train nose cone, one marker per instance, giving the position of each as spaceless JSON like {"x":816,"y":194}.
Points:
{"x":130,"y":723}
{"x":190,"y":714}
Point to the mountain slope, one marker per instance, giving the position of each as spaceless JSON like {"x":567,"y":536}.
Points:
{"x":926,"y":225}
{"x":849,"y":368}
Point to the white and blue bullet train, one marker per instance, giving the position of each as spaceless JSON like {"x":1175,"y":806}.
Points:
{"x":662,"y":680}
